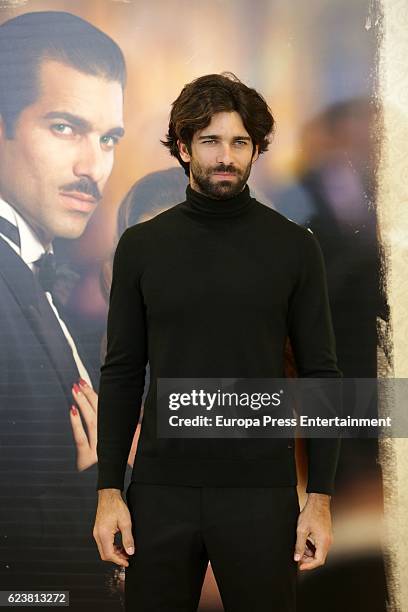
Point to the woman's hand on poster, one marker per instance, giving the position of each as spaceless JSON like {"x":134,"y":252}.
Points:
{"x":85,"y":440}
{"x":85,"y":437}
{"x":132,"y":453}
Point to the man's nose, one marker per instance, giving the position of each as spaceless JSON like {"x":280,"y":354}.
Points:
{"x":91,"y":160}
{"x":224,"y":154}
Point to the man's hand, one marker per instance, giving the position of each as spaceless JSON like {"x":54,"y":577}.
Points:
{"x":112,"y":516}
{"x":314,"y":524}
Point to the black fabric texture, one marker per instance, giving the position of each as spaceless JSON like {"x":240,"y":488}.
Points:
{"x":212,"y":288}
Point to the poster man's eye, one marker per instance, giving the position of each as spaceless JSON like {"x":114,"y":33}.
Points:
{"x":109,"y":141}
{"x":62,"y":128}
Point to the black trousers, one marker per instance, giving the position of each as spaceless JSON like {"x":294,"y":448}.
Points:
{"x":247,"y":534}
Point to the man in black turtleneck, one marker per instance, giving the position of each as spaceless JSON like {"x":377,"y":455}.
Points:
{"x":212,"y":288}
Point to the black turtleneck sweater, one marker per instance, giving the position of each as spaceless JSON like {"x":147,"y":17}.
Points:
{"x":212,"y":288}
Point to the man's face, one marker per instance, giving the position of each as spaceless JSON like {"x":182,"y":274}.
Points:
{"x":221,"y":156}
{"x":55,"y":167}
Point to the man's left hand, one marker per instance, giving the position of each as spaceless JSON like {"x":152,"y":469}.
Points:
{"x":314,"y":524}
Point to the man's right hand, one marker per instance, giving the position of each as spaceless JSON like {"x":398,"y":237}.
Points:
{"x":112,"y":515}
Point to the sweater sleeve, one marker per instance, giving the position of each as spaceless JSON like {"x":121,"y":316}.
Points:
{"x":123,"y":372}
{"x":312,"y":338}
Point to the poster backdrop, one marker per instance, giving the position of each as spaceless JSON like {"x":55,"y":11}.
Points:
{"x":316,"y":64}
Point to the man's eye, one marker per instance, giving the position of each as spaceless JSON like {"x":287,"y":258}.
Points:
{"x":211,"y":141}
{"x":241,"y":142}
{"x":109,"y":141}
{"x":62,"y":128}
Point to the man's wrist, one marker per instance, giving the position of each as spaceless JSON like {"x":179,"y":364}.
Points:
{"x":109,"y":493}
{"x":320,"y":498}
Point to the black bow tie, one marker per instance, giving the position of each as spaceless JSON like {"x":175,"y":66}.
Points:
{"x":58,"y":279}
{"x":47,"y":271}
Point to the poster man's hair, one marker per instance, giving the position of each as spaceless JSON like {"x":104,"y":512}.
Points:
{"x":30,"y":38}
{"x":211,"y":94}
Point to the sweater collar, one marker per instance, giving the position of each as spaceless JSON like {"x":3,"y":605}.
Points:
{"x":210,"y":207}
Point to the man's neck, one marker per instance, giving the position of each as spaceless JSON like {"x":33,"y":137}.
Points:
{"x":42,"y":235}
{"x":38,"y":233}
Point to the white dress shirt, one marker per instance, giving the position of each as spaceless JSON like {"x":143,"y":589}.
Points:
{"x":30,"y":250}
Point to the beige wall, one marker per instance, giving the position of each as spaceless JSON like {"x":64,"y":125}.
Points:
{"x":393,"y":224}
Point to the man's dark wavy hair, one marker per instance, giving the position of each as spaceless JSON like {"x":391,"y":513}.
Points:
{"x":211,"y":94}
{"x":30,"y":38}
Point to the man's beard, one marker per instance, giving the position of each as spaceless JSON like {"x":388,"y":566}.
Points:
{"x":219,"y":190}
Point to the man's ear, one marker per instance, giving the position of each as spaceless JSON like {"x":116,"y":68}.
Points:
{"x":255,"y":154}
{"x":184,"y":154}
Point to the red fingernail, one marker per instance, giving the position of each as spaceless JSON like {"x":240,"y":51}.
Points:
{"x":74,"y":410}
{"x":76,"y":388}
{"x":82,"y":382}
